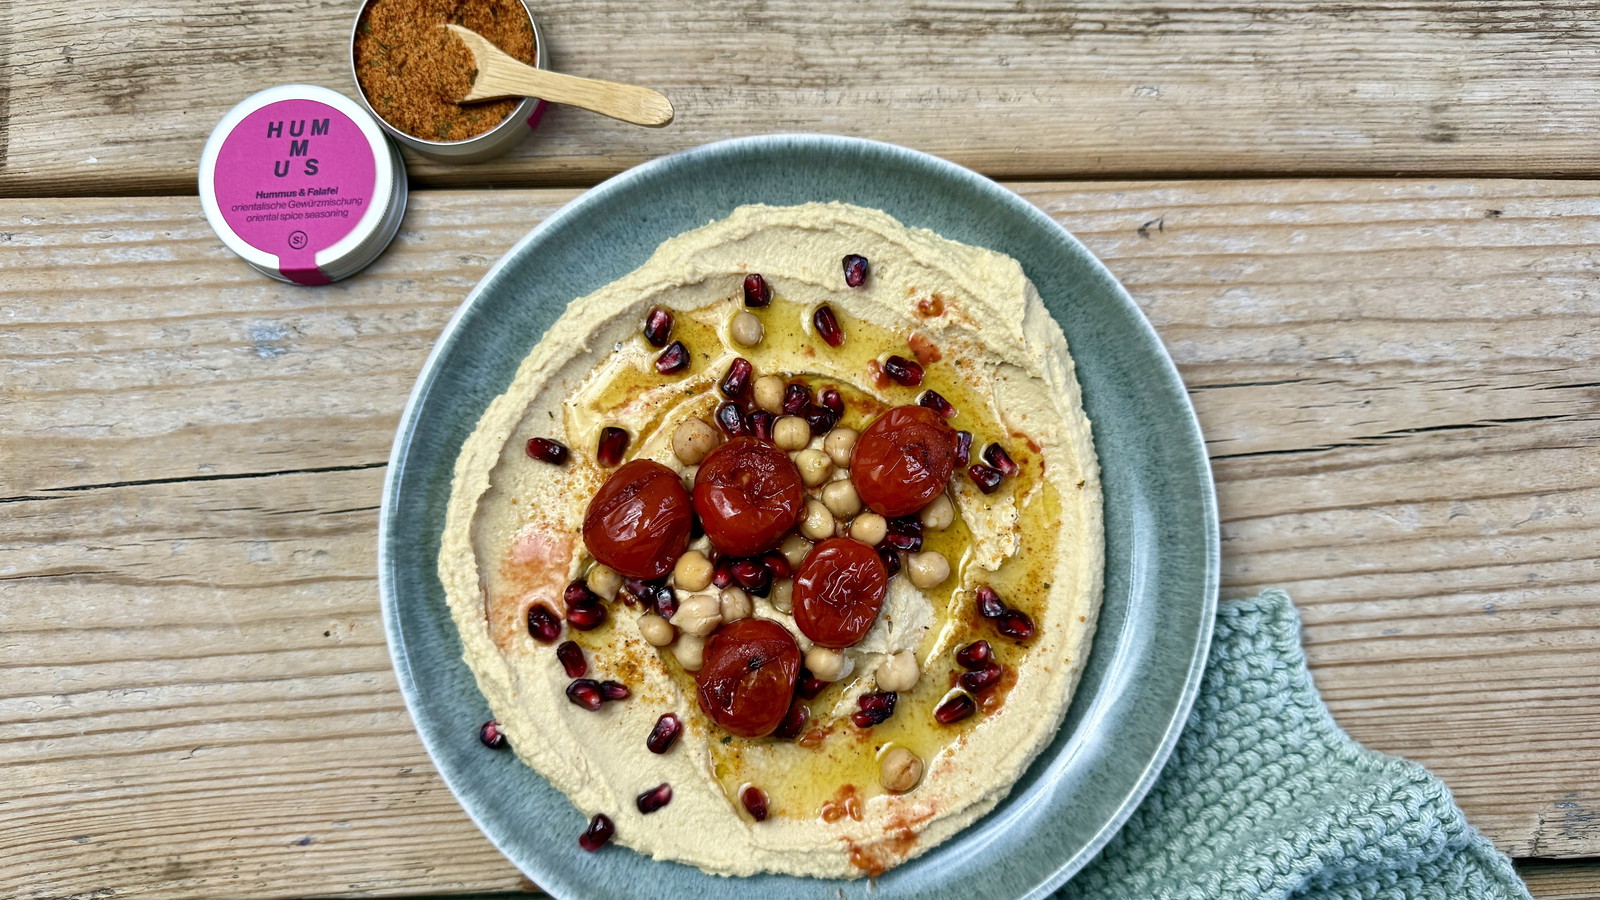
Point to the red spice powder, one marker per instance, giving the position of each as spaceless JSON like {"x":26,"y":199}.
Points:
{"x":414,"y":71}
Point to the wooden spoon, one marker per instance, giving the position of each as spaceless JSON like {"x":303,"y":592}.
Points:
{"x":501,"y":76}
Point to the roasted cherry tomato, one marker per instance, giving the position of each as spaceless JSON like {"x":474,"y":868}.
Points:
{"x":838,"y":592}
{"x":748,"y":494}
{"x":638,"y":522}
{"x":903,"y":460}
{"x":747,"y":678}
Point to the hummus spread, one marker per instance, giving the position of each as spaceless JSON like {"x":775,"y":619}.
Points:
{"x":841,"y":792}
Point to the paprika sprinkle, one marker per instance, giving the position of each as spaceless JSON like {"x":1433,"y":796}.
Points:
{"x":414,"y":72}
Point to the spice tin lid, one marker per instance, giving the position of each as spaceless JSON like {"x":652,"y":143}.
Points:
{"x":301,"y":182}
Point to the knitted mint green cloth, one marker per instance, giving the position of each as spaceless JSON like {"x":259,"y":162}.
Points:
{"x":1265,"y":797}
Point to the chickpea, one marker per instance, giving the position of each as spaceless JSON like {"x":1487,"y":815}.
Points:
{"x":818,"y":523}
{"x":840,"y":444}
{"x":841,"y":499}
{"x":690,"y":650}
{"x":746,"y":330}
{"x":898,"y":672}
{"x":927,"y":569}
{"x":693,"y":439}
{"x":698,"y":614}
{"x":814,"y":466}
{"x":768,"y":394}
{"x":794,"y":548}
{"x":604,"y":580}
{"x":782,"y":595}
{"x":791,"y":433}
{"x":735,"y":604}
{"x":901,"y":770}
{"x":939,"y":514}
{"x":869,"y":528}
{"x":656,"y":630}
{"x":826,"y":664}
{"x":692,"y":572}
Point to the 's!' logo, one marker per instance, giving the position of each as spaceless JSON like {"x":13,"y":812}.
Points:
{"x":297,"y":240}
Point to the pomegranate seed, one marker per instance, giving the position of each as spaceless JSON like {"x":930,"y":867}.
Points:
{"x":759,"y":424}
{"x":1015,"y":624}
{"x":832,"y":400}
{"x":855,"y":270}
{"x":755,"y":802}
{"x":546,"y":450}
{"x":756,"y":292}
{"x":722,"y":573}
{"x":571,"y":656}
{"x":963,"y":447}
{"x":820,"y":418}
{"x":936,"y":402}
{"x":492,"y":736}
{"x":613,"y":443}
{"x":614,"y":690}
{"x":958,"y":707}
{"x":730,"y":419}
{"x":543,"y":624}
{"x":673,"y":359}
{"x":657,"y":326}
{"x":997,"y":456}
{"x":911,"y":524}
{"x":903,"y":541}
{"x":750,"y":574}
{"x":808,"y":686}
{"x":665,"y":601}
{"x":982,"y":678}
{"x":777,"y":564}
{"x":903,"y":371}
{"x":794,"y":721}
{"x":578,"y":593}
{"x":586,"y":616}
{"x":665,"y":734}
{"x":796,"y":397}
{"x":876,"y":706}
{"x":585,"y":692}
{"x":890,"y":557}
{"x":975,"y":654}
{"x":990,"y":606}
{"x":600,"y":831}
{"x":737,"y":381}
{"x":987,"y":479}
{"x":655,"y":798}
{"x":828,"y":325}
{"x":638,"y":587}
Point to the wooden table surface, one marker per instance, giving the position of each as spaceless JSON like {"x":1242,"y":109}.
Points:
{"x":1363,"y":231}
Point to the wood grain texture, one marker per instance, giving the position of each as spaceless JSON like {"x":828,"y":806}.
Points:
{"x":1399,"y":380}
{"x":1026,"y":89}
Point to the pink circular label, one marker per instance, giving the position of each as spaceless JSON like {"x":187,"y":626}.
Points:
{"x":294,"y":178}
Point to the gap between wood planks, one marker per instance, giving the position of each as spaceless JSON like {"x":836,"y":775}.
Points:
{"x":188,"y":187}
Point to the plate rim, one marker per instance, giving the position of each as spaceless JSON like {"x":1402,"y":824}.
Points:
{"x":1200,"y":646}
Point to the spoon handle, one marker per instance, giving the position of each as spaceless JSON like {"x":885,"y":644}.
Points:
{"x":501,"y":76}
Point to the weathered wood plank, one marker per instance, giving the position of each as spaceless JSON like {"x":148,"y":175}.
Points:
{"x":1401,"y":390}
{"x":1037,"y":89}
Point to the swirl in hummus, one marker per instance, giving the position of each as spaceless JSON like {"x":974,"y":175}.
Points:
{"x":895,"y":727}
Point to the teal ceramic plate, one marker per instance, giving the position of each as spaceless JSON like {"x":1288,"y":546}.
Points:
{"x":1160,"y":519}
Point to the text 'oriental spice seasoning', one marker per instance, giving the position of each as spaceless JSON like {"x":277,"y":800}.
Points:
{"x":414,"y":71}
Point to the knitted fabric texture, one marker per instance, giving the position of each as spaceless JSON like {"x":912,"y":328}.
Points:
{"x":1265,"y":797}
